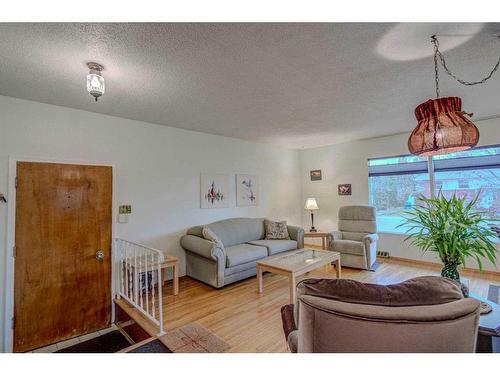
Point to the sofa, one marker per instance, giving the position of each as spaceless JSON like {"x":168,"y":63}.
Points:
{"x":426,"y":314}
{"x":242,"y":244}
{"x":356,"y":238}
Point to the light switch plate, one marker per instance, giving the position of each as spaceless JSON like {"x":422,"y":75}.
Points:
{"x":125,"y":209}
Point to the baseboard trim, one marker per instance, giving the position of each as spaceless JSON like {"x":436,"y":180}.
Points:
{"x":427,"y":263}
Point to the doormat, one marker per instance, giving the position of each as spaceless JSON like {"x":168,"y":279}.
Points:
{"x":155,"y":346}
{"x":194,"y":338}
{"x":110,"y":342}
{"x":494,"y":293}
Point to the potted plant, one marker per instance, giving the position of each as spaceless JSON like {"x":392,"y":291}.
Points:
{"x":453,"y":229}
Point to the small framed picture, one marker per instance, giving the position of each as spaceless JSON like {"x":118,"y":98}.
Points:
{"x":345,"y":189}
{"x":316,"y":175}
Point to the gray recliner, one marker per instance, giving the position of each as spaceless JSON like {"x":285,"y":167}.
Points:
{"x":356,"y":238}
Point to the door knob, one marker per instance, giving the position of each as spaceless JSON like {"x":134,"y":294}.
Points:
{"x":99,"y":255}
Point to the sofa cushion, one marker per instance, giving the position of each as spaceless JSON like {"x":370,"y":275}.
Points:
{"x":276,"y":246}
{"x":244,"y":253}
{"x":349,"y":247}
{"x":238,"y":230}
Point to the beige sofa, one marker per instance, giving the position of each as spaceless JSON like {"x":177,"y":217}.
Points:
{"x":356,"y":239}
{"x":243,"y":244}
{"x":424,"y":314}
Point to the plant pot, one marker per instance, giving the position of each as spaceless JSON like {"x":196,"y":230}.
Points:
{"x":450,"y":270}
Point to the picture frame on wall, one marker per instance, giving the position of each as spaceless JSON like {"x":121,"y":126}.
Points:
{"x":316,"y":175}
{"x":214,"y":190}
{"x":344,"y":189}
{"x":247,"y":190}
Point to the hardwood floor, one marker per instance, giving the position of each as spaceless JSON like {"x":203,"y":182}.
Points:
{"x":251,"y":322}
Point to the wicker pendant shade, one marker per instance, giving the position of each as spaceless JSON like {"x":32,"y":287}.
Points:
{"x":442,"y":128}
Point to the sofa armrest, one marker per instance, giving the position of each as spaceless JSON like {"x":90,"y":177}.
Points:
{"x":202,"y":247}
{"x":296,"y":234}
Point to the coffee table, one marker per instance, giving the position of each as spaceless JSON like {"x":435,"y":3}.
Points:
{"x":295,"y":263}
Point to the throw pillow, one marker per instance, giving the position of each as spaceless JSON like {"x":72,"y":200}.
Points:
{"x":276,"y":230}
{"x":209,"y":235}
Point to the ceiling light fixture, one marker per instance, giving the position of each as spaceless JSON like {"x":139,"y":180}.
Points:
{"x":442,"y":126}
{"x":95,"y":80}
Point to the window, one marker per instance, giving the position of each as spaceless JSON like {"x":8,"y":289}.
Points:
{"x":396,"y":182}
{"x":469,"y":173}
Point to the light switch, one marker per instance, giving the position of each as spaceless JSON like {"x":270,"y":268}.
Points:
{"x":125,"y":209}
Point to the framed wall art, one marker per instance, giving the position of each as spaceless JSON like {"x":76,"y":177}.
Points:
{"x":316,"y":175}
{"x":247,"y":190}
{"x":344,"y":189}
{"x":214,"y":190}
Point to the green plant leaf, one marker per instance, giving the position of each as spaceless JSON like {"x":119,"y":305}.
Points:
{"x":452,"y":228}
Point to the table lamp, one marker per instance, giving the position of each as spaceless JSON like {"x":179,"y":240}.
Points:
{"x":311,"y":205}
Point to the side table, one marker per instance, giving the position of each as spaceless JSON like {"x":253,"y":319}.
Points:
{"x":322,"y":235}
{"x":488,"y":337}
{"x":169,"y":261}
{"x":173,"y":262}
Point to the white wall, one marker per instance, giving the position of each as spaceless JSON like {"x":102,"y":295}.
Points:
{"x":348,"y":163}
{"x":157,"y":170}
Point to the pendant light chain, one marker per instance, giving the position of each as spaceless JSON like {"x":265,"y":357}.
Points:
{"x":438,"y":54}
{"x":436,"y":68}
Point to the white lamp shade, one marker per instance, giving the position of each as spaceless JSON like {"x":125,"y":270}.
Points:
{"x":311,"y":204}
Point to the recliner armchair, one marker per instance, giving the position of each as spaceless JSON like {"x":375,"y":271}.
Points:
{"x":426,"y":314}
{"x":356,"y":238}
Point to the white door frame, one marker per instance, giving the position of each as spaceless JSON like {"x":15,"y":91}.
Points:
{"x":11,"y":235}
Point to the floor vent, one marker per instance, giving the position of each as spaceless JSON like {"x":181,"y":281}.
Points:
{"x":383,"y":254}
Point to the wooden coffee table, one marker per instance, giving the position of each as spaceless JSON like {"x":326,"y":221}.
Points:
{"x":295,"y":263}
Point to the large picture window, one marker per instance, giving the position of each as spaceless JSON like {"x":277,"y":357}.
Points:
{"x":396,"y":182}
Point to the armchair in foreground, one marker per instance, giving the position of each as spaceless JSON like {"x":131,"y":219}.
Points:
{"x":426,"y":314}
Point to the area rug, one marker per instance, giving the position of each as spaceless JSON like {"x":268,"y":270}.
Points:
{"x":108,"y":343}
{"x":194,"y":338}
{"x":494,"y":293}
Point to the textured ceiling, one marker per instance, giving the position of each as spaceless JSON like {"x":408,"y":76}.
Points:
{"x":297,"y":85}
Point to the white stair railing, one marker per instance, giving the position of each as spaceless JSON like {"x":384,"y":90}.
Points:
{"x":139,"y":278}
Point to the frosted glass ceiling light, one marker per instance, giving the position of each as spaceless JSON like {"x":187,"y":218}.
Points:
{"x":95,"y":80}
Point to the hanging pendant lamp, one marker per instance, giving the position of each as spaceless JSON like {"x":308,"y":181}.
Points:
{"x":442,"y":125}
{"x":442,"y":128}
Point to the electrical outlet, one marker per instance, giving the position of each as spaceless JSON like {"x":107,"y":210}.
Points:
{"x":383,"y":254}
{"x":125,"y":209}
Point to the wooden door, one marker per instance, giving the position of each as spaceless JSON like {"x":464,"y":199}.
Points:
{"x":63,"y":217}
